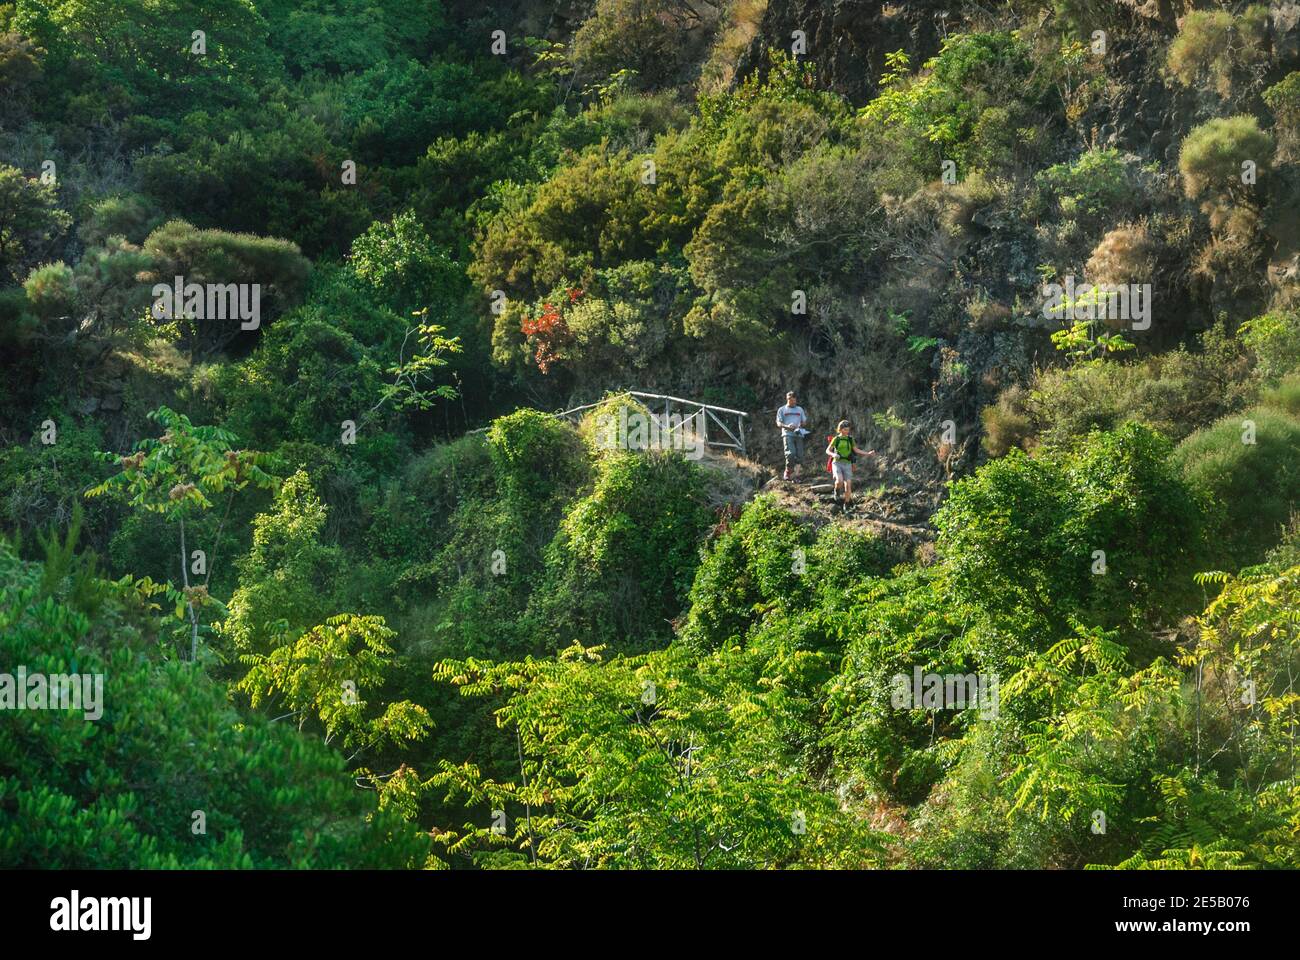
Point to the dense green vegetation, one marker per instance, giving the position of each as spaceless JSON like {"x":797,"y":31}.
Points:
{"x":358,"y":600}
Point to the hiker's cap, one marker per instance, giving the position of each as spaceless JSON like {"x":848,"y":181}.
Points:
{"x":844,"y":425}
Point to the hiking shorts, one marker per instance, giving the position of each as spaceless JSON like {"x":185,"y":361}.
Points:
{"x":842,"y":470}
{"x":793,"y":443}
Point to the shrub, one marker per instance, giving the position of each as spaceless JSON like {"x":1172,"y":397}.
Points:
{"x":1213,"y":44}
{"x":493,"y":504}
{"x":1095,"y":184}
{"x":1283,"y":98}
{"x":1007,"y":423}
{"x":844,"y":557}
{"x":1016,"y":576}
{"x":751,"y":563}
{"x":1005,"y":139}
{"x":645,"y":36}
{"x":1285,"y":397}
{"x":600,"y":424}
{"x":1019,"y":538}
{"x":1174,"y":392}
{"x":451,"y":472}
{"x":396,"y":107}
{"x":129,"y":215}
{"x":935,"y":114}
{"x":42,"y":483}
{"x":20,"y":66}
{"x":537,"y":457}
{"x":1274,"y":338}
{"x":1253,"y":486}
{"x":1211,"y":156}
{"x":586,"y":216}
{"x":630,"y":327}
{"x":621,"y":563}
{"x":1126,"y":254}
{"x":330,"y":359}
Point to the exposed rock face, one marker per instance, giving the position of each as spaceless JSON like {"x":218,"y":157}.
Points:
{"x":1148,"y":116}
{"x":847,"y":39}
{"x":1284,"y":18}
{"x":1144,"y":116}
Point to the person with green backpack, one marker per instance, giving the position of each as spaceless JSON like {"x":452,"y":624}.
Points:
{"x":843,"y":451}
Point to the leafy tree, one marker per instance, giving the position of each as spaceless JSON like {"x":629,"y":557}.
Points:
{"x":288,"y":578}
{"x":1083,"y":340}
{"x":177,"y":476}
{"x":889,"y":628}
{"x":1102,"y":721}
{"x":400,"y":261}
{"x":322,"y":675}
{"x":140,"y":54}
{"x":397,"y":106}
{"x":641,"y":762}
{"x":169,"y":775}
{"x":335,"y":38}
{"x":412,"y":387}
{"x":30,"y":219}
{"x":217,"y":257}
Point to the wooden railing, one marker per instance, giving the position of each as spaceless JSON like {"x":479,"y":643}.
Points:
{"x":693,"y":412}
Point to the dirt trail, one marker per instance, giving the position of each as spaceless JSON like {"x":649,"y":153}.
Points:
{"x":888,"y":499}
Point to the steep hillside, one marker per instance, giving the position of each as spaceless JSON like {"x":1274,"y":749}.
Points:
{"x":291,"y":294}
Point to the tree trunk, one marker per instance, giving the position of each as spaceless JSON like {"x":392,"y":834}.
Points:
{"x":189,"y":604}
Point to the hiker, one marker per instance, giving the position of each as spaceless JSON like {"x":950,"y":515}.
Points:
{"x":843,"y":450}
{"x":792,"y":419}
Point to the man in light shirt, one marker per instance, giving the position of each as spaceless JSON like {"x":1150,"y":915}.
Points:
{"x":792,"y":420}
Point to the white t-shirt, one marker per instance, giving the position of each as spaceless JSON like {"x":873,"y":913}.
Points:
{"x":791,"y":416}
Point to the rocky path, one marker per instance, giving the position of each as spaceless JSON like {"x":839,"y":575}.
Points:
{"x":877,"y":504}
{"x":888,"y":498}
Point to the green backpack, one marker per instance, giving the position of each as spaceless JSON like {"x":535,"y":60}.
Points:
{"x":843,"y":447}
